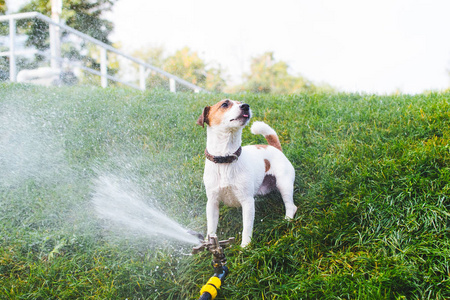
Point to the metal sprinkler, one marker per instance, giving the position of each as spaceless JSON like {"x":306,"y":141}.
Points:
{"x":213,"y":245}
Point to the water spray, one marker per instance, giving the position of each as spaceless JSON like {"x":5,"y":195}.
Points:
{"x":122,"y":204}
{"x":213,"y":245}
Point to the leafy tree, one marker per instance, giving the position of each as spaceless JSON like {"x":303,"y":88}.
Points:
{"x":189,"y":66}
{"x":83,"y":15}
{"x":215,"y":79}
{"x":3,"y":7}
{"x":185,"y":64}
{"x":155,"y":57}
{"x":3,"y":31}
{"x":270,"y":76}
{"x":151,"y":55}
{"x":4,"y":60}
{"x":4,"y":27}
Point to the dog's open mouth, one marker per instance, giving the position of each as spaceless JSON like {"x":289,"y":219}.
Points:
{"x":243,"y":117}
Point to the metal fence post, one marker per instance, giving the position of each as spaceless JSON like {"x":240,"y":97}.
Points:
{"x":12,"y":46}
{"x":142,"y":77}
{"x":55,"y":35}
{"x":173,"y":85}
{"x":103,"y":67}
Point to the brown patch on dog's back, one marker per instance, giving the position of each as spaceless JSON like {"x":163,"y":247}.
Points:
{"x":261,"y":146}
{"x":267,"y":164}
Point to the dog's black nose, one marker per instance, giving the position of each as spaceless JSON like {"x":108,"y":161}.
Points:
{"x":245,"y":107}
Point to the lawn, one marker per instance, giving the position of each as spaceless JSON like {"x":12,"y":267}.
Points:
{"x":372,"y":187}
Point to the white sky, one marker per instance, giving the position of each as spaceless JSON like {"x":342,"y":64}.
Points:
{"x":354,"y":45}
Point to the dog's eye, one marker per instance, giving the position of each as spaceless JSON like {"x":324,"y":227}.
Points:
{"x":225,"y":104}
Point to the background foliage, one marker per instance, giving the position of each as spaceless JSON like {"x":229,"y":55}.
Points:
{"x":82,"y":15}
{"x":3,"y":7}
{"x":185,"y":64}
{"x":270,"y":76}
{"x":267,"y":75}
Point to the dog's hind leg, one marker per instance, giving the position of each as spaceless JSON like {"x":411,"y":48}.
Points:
{"x":248,"y":217}
{"x":286,"y":189}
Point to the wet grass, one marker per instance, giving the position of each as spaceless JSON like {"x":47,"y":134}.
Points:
{"x":372,"y":187}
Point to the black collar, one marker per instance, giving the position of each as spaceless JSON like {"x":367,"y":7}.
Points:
{"x":223,"y":159}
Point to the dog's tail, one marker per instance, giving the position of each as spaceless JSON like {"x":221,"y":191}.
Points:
{"x":271,"y":136}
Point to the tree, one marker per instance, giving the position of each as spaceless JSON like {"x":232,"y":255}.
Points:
{"x":3,"y":31}
{"x":270,"y":76}
{"x":3,"y":7}
{"x":4,"y":27}
{"x":189,"y":66}
{"x":155,"y":57}
{"x":82,"y":15}
{"x":215,"y":79}
{"x":4,"y":60}
{"x":185,"y":64}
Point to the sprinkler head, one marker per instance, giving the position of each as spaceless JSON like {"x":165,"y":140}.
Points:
{"x":213,"y":245}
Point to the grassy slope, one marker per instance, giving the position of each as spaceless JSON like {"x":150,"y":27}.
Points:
{"x":372,"y":188}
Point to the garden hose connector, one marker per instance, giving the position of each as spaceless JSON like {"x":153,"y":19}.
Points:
{"x":213,"y":245}
{"x":212,"y":286}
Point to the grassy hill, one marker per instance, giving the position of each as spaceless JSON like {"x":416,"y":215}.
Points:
{"x":372,"y":186}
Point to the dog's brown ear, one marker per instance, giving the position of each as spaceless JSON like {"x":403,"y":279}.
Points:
{"x":204,"y":117}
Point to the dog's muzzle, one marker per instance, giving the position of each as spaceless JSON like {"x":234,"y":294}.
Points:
{"x":245,"y":110}
{"x":245,"y":114}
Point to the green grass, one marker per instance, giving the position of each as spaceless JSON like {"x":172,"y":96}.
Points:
{"x":372,"y":186}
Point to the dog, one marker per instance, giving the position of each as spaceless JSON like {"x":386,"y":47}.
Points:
{"x":234,"y":174}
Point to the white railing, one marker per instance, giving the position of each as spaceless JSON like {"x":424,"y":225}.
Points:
{"x":104,"y":49}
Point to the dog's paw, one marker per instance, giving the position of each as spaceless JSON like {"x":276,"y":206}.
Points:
{"x":243,"y":245}
{"x":290,"y":212}
{"x":245,"y":242}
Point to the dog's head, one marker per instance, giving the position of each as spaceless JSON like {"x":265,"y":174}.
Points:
{"x":227,"y":113}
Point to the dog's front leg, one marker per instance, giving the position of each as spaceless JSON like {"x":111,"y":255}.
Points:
{"x":248,"y":217}
{"x":212,"y":215}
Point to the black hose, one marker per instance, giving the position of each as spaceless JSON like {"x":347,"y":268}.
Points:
{"x":223,"y":274}
{"x":205,"y":296}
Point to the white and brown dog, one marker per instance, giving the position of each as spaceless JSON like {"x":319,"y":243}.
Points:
{"x":235,"y":174}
